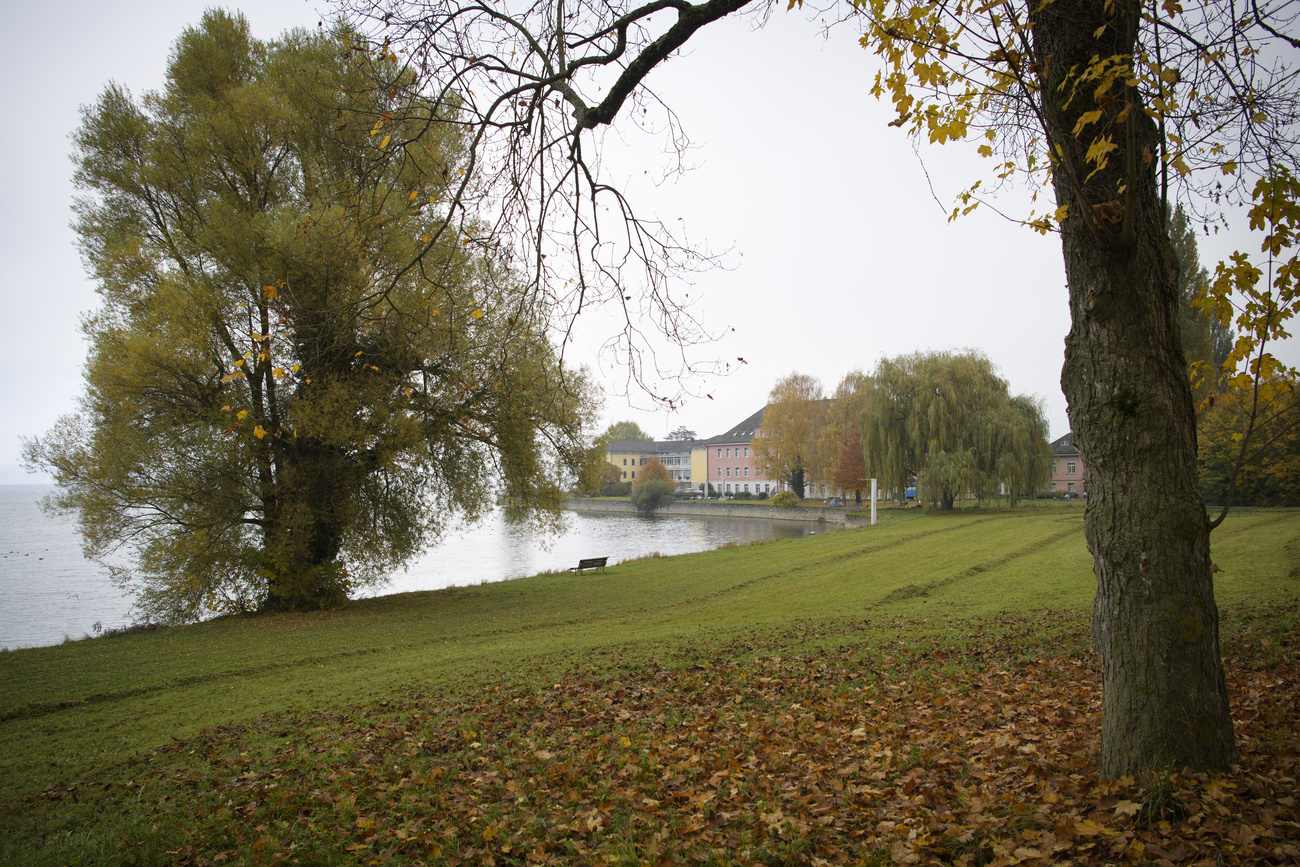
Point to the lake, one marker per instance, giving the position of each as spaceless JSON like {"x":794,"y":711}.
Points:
{"x":48,"y":591}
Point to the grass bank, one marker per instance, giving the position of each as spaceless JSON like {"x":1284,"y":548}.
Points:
{"x":281,"y":729}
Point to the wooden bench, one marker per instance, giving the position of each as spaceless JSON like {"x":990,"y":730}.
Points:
{"x":590,"y":563}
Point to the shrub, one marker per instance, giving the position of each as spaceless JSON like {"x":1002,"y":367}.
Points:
{"x":785,"y":500}
{"x":744,"y":495}
{"x":652,"y":494}
{"x":617,"y":489}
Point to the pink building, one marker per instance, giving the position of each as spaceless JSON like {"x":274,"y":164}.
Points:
{"x":1067,"y":467}
{"x":731,"y":466}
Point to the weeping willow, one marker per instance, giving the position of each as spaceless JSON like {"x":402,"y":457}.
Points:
{"x":948,"y":421}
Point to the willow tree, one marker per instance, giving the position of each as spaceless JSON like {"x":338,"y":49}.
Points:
{"x":1107,"y":104}
{"x":279,"y":407}
{"x":948,"y":421}
{"x":789,"y":446}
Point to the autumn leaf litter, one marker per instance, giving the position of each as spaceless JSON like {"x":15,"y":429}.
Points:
{"x":818,"y":744}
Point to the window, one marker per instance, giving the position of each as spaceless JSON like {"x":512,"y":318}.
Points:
{"x":728,"y":452}
{"x":728,"y":472}
{"x":719,"y":472}
{"x":747,"y":475}
{"x":634,"y":474}
{"x":1070,"y":488}
{"x":746,"y":451}
{"x":719,"y":452}
{"x":746,"y":488}
{"x":624,"y":461}
{"x":1071,"y":468}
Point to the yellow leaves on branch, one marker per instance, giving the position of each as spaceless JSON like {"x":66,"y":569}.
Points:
{"x":1099,"y":153}
{"x":1239,"y":294}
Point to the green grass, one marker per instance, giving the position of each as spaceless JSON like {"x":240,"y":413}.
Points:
{"x":84,"y":710}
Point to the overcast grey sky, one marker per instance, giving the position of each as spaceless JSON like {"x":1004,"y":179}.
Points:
{"x":840,"y":254}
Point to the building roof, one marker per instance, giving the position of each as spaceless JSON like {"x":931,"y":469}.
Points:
{"x":742,"y":432}
{"x":651,"y":447}
{"x":1065,"y":447}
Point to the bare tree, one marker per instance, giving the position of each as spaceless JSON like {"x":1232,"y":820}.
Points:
{"x":534,"y":85}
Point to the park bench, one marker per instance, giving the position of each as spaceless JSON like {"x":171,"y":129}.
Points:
{"x":590,"y":563}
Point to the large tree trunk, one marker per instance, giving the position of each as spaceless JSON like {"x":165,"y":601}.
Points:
{"x":1155,"y":622}
{"x":314,"y":491}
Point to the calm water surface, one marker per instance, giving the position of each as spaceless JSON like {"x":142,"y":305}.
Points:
{"x":49,"y":591}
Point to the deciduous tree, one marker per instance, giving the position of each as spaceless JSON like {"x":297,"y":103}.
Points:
{"x":850,"y":472}
{"x":280,"y":406}
{"x":653,"y":488}
{"x":652,"y":470}
{"x":1267,"y":473}
{"x":626,"y":431}
{"x":790,"y":444}
{"x":1115,"y":105}
{"x":948,"y":420}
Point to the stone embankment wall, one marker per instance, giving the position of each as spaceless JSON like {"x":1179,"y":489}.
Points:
{"x":731,"y":509}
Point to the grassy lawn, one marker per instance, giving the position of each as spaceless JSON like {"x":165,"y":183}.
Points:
{"x":922,"y":690}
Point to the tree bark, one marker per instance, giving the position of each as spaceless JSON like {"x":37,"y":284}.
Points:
{"x":1155,"y":623}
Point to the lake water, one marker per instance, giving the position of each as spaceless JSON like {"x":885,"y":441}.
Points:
{"x":49,"y":591}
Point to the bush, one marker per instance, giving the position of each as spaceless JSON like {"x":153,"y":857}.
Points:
{"x":744,"y":495}
{"x":652,"y":494}
{"x":785,"y":500}
{"x":617,"y":489}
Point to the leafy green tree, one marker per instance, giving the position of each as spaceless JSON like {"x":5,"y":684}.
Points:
{"x":626,"y":431}
{"x":948,"y":420}
{"x":683,"y":434}
{"x":653,"y":488}
{"x":279,"y":408}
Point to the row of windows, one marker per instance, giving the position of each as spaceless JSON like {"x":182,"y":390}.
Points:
{"x":728,"y":450}
{"x":667,"y":462}
{"x":1071,"y":468}
{"x":728,"y":469}
{"x":728,"y":488}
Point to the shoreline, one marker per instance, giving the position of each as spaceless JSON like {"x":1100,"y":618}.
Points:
{"x":728,"y":509}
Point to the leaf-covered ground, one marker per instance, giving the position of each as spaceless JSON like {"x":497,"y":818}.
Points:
{"x":849,"y":749}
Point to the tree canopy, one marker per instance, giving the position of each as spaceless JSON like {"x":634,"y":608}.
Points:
{"x":626,"y":431}
{"x":789,"y":447}
{"x":653,"y":487}
{"x":948,"y":420}
{"x":280,"y":406}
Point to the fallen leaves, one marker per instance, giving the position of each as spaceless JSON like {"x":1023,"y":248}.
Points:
{"x":837,"y":743}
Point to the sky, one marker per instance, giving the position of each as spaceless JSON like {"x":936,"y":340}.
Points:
{"x":837,"y":253}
